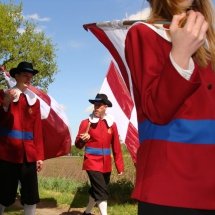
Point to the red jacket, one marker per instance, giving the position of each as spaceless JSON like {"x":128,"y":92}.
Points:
{"x":97,"y":150}
{"x":176,"y":125}
{"x":20,"y":131}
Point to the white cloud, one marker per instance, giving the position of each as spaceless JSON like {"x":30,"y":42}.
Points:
{"x":75,"y":44}
{"x":37,"y":30}
{"x":63,"y":107}
{"x":36,"y":17}
{"x":89,"y":109}
{"x":143,"y":14}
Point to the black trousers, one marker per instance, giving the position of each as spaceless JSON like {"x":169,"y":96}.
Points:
{"x":153,"y":209}
{"x":99,"y":182}
{"x":26,"y":173}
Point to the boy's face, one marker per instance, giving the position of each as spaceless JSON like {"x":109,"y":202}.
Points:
{"x":24,"y":79}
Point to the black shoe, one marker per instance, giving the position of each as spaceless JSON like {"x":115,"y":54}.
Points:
{"x":86,"y":213}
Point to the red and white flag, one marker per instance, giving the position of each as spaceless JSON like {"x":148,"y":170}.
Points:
{"x":55,"y":124}
{"x":112,"y":35}
{"x":123,"y":109}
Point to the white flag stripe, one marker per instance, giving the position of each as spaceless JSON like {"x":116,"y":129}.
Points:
{"x":117,"y":37}
{"x":44,"y":108}
{"x":133,"y":118}
{"x":58,"y":109}
{"x":116,"y":111}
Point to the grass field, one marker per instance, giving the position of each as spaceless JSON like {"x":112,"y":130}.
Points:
{"x":71,"y":167}
{"x":64,"y":189}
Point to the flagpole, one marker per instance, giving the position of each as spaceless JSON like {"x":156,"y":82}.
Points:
{"x":160,"y":24}
{"x":88,"y":127}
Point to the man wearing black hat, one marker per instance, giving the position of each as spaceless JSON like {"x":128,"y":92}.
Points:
{"x":21,"y":142}
{"x":98,"y":133}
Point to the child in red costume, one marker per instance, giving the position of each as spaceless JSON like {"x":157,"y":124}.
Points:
{"x":21,"y":141}
{"x":173,"y":79}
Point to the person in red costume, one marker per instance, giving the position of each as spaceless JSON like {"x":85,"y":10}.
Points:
{"x":21,"y":141}
{"x":98,"y":134}
{"x":173,"y":81}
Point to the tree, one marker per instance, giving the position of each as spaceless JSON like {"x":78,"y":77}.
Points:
{"x":28,"y":45}
{"x":77,"y":152}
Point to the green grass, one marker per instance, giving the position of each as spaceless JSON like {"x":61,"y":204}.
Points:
{"x":59,"y":184}
{"x":55,"y":192}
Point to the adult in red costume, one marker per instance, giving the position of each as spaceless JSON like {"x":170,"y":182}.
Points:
{"x":21,"y":142}
{"x":98,"y":134}
{"x":173,"y":80}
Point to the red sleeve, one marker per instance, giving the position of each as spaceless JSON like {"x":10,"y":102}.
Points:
{"x":159,"y":90}
{"x":82,"y":128}
{"x":116,"y":149}
{"x":38,"y":136}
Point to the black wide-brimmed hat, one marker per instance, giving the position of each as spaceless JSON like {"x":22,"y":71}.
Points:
{"x":23,"y":66}
{"x":101,"y":98}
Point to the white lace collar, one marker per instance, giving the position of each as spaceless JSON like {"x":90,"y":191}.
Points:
{"x":108,"y":118}
{"x":31,"y":97}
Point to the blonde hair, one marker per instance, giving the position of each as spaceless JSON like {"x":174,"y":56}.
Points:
{"x":165,"y":9}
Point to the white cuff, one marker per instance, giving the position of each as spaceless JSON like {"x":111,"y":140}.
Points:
{"x":184,"y":73}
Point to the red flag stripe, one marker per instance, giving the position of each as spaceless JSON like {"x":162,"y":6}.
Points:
{"x":132,"y":141}
{"x":120,"y":90}
{"x":52,"y":138}
{"x":40,"y":94}
{"x":123,"y":109}
{"x":103,"y":38}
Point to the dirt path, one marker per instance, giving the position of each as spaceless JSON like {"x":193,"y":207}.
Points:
{"x":44,"y":208}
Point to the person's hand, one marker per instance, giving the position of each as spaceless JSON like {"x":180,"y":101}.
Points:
{"x":188,"y":39}
{"x":39,"y":165}
{"x":120,"y":173}
{"x":84,"y":137}
{"x":9,"y":96}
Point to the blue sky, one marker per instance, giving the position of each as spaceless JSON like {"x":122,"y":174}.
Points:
{"x":82,"y":60}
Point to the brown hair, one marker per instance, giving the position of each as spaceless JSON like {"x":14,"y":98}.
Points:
{"x":165,"y":10}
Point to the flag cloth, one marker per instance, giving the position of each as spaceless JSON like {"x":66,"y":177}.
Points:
{"x":112,"y":35}
{"x":123,"y":109}
{"x":57,"y":138}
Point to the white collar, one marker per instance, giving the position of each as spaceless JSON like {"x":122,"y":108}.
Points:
{"x":30,"y":96}
{"x":108,"y":118}
{"x":161,"y":32}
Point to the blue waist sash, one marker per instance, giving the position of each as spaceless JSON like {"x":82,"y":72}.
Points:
{"x":16,"y":134}
{"x":180,"y":131}
{"x":97,"y":151}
